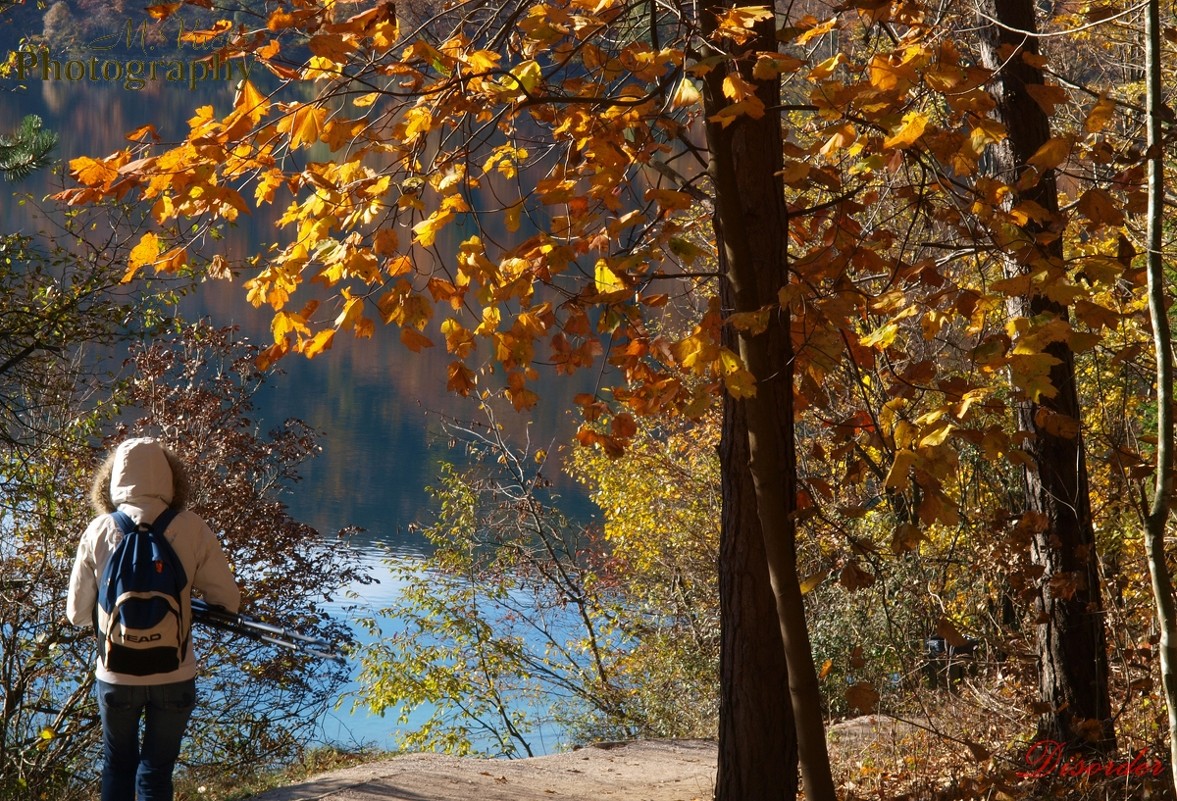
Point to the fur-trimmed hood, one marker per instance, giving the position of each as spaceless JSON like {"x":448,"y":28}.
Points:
{"x":138,"y":469}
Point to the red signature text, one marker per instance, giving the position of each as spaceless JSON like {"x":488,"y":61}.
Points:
{"x":1049,"y":758}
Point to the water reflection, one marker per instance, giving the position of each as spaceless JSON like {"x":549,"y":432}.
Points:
{"x":379,"y":407}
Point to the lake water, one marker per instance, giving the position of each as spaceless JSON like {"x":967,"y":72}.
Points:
{"x":380,"y":408}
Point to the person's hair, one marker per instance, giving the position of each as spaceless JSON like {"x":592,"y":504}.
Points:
{"x":100,"y":486}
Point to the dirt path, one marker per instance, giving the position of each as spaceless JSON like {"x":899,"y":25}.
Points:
{"x":649,"y":770}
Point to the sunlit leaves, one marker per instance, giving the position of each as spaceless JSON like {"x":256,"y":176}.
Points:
{"x":909,"y":131}
{"x":304,"y":124}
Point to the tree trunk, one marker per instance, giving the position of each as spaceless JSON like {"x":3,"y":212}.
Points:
{"x":751,"y":232}
{"x":757,"y":745}
{"x":1157,"y":516}
{"x":1071,"y":646}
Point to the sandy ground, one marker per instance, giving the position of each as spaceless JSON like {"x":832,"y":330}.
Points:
{"x":648,"y":770}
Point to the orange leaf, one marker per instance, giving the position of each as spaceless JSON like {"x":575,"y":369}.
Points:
{"x":304,"y":124}
{"x":92,"y":172}
{"x":146,"y":130}
{"x":461,"y":378}
{"x":201,"y":37}
{"x":1047,"y":96}
{"x":414,"y":340}
{"x":1062,"y":426}
{"x":163,"y":10}
{"x":331,"y":46}
{"x":252,"y":102}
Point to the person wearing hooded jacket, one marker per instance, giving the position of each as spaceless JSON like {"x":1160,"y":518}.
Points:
{"x":142,"y":478}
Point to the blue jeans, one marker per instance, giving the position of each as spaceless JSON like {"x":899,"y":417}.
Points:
{"x":165,"y":710}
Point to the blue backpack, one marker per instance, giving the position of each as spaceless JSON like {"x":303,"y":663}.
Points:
{"x":141,"y":627}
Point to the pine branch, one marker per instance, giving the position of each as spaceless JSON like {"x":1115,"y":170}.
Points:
{"x":27,"y":150}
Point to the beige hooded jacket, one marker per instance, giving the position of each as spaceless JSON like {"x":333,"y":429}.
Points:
{"x":142,"y":478}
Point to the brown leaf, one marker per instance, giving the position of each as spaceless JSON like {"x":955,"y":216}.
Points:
{"x":854,"y":577}
{"x":906,"y":537}
{"x":862,"y":697}
{"x":1056,"y":425}
{"x":951,"y":634}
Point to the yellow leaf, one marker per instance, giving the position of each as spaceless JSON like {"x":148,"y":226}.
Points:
{"x":826,"y":68}
{"x":687,"y":94}
{"x":607,"y":282}
{"x":483,"y":61}
{"x":738,"y":380}
{"x":905,"y":538}
{"x":888,"y":74}
{"x":815,"y":29}
{"x":1056,"y":150}
{"x":267,"y":183}
{"x":318,"y":343}
{"x":897,"y":477}
{"x":143,"y":254}
{"x":353,"y":311}
{"x":813,"y":581}
{"x":426,"y":231}
{"x":771,"y":65}
{"x":527,"y":75}
{"x":1100,"y":115}
{"x":882,"y":337}
{"x":910,"y":130}
{"x":736,"y":88}
{"x":738,"y":24}
{"x":937,"y":436}
{"x":513,"y":216}
{"x":333,"y":47}
{"x":752,"y":107}
{"x":172,"y":261}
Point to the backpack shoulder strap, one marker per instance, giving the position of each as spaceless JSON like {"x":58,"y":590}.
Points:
{"x":161,"y":523}
{"x":164,"y":520}
{"x":124,"y":521}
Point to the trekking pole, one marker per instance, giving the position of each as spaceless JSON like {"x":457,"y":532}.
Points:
{"x":254,"y":629}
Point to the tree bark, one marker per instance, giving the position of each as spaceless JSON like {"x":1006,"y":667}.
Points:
{"x":1157,"y":516}
{"x":1071,"y":645}
{"x":757,"y":745}
{"x":752,"y":233}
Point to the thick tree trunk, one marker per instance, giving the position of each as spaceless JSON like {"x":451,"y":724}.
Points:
{"x":1072,"y":652}
{"x":751,"y":231}
{"x":757,"y":746}
{"x":1157,"y":517}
